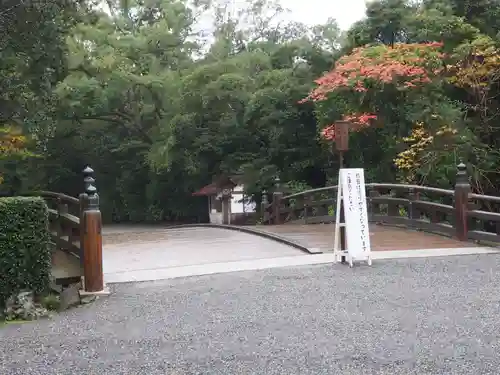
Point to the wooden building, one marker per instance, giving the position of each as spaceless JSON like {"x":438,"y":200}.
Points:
{"x":227,"y":202}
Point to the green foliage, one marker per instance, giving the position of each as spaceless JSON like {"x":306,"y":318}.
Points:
{"x":159,"y":107}
{"x":25,"y":254}
{"x":293,"y":187}
{"x":32,"y":62}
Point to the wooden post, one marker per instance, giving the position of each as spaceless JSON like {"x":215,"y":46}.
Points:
{"x":342,"y":145}
{"x":461,"y":197}
{"x":57,"y":226}
{"x":81,"y":232}
{"x":342,"y":135}
{"x":92,"y":236}
{"x":412,"y":209}
{"x":226,"y":206}
{"x":277,"y":195}
{"x":62,"y":209}
{"x":307,"y":201}
{"x":263,"y":207}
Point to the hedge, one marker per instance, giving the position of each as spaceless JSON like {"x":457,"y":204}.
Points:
{"x":25,"y":248}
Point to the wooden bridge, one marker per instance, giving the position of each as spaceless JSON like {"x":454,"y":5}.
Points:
{"x":402,"y":217}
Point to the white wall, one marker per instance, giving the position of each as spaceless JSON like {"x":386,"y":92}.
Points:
{"x":240,"y":207}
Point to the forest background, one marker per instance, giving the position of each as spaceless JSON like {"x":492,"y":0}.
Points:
{"x":159,"y":107}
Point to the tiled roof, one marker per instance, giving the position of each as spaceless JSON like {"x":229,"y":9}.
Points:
{"x":210,"y":189}
{"x":215,"y":187}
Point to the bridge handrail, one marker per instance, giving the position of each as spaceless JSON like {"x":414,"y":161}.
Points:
{"x":54,"y":195}
{"x":421,"y":188}
{"x":454,"y":212}
{"x":488,"y":198}
{"x":372,"y":186}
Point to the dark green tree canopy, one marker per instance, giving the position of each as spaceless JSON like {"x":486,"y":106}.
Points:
{"x":159,"y":101}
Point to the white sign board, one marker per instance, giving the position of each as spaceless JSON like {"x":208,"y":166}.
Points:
{"x":352,"y":195}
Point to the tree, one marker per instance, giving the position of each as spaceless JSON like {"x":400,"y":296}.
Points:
{"x":32,"y":64}
{"x":159,"y":107}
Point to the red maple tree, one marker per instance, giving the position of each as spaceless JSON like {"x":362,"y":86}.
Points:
{"x":407,"y":65}
{"x":403,"y":65}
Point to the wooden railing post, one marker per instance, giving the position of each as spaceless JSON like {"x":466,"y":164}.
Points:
{"x":412,"y":209}
{"x":277,"y":195}
{"x":307,"y":202}
{"x":62,"y":209}
{"x":56,"y":225}
{"x":276,"y":205}
{"x":461,"y":198}
{"x":226,"y":206}
{"x":263,"y":206}
{"x":92,"y":235}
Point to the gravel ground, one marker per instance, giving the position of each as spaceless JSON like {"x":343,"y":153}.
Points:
{"x":414,"y":316}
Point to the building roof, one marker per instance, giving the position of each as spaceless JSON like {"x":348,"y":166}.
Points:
{"x":210,"y":189}
{"x":215,"y":187}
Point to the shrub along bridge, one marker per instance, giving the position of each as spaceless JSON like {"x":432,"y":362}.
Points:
{"x":402,"y":217}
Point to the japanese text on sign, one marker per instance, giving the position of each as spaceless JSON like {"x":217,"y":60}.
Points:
{"x":352,"y":183}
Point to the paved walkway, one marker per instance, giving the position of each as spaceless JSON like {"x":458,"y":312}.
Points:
{"x":414,"y":316}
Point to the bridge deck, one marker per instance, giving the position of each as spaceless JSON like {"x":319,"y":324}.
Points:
{"x":142,"y":253}
{"x":382,"y":238}
{"x":138,"y":251}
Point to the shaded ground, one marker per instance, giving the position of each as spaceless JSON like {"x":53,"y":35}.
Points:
{"x":415,"y":316}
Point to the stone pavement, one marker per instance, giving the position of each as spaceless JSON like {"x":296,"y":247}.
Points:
{"x":421,"y":316}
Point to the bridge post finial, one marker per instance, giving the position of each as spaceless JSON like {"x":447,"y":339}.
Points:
{"x":91,"y":233}
{"x":88,"y":177}
{"x":277,"y":183}
{"x":90,"y":189}
{"x":462,"y":177}
{"x":461,"y":198}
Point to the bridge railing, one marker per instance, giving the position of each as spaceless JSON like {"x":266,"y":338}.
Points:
{"x":483,"y":218}
{"x":455,"y":213}
{"x":65,"y":214}
{"x":75,"y":226}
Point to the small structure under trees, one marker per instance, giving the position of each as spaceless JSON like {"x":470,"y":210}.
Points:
{"x":227,"y":202}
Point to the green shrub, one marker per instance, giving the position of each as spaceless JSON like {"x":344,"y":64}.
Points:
{"x":25,"y":252}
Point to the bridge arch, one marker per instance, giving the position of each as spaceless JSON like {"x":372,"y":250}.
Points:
{"x":253,"y":231}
